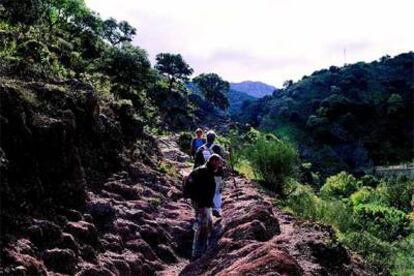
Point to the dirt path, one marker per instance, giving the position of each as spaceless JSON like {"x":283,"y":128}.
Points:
{"x":256,"y":238}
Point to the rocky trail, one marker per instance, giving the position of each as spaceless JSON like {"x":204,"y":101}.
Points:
{"x":255,"y":238}
{"x":139,"y":224}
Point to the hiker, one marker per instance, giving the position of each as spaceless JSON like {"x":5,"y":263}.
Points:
{"x":200,"y":187}
{"x":197,"y":142}
{"x":202,"y":155}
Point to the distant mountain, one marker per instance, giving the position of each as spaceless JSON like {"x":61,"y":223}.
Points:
{"x":255,"y":89}
{"x":236,"y":99}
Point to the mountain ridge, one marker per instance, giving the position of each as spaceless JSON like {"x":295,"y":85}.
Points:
{"x":256,"y":89}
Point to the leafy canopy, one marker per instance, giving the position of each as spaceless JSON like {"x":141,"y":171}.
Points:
{"x":214,"y":89}
{"x":174,"y":67}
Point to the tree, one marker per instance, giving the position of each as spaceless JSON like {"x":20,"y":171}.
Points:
{"x":25,"y":12}
{"x":116,"y":32}
{"x":127,"y":66}
{"x":214,"y":89}
{"x":287,"y":84}
{"x":174,"y":67}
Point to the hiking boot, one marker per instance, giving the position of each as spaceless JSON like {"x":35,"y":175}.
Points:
{"x":216,"y":214}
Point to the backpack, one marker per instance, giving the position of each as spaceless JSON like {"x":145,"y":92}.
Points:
{"x":207,"y":152}
{"x":187,"y":188}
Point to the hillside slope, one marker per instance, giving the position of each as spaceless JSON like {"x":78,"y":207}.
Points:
{"x":86,"y":196}
{"x":345,"y":118}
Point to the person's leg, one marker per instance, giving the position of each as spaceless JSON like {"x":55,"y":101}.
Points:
{"x":217,"y":196}
{"x":202,"y":234}
{"x":196,"y":248}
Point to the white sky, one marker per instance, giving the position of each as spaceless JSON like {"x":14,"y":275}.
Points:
{"x":267,"y":40}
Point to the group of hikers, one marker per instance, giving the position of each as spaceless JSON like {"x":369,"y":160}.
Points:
{"x":203,"y":186}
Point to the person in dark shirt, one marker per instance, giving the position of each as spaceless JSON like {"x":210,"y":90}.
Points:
{"x":197,"y":142}
{"x":201,"y":187}
{"x":203,"y":153}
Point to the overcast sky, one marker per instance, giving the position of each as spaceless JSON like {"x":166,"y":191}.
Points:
{"x":267,"y":40}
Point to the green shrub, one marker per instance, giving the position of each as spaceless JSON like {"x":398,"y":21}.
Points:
{"x":273,"y":161}
{"x":370,"y":181}
{"x":365,"y":195}
{"x":184,"y":142}
{"x":383,"y":222}
{"x":403,"y":264}
{"x":397,"y":192}
{"x":376,"y":252}
{"x":304,"y":203}
{"x":341,"y":185}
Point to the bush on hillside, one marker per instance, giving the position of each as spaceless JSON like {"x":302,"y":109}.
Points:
{"x":339,"y":186}
{"x":184,"y":142}
{"x":404,"y":258}
{"x":365,"y":195}
{"x":397,"y":192}
{"x":306,"y":204}
{"x":273,"y":161}
{"x":383,"y":222}
{"x":376,"y":252}
{"x":369,"y":180}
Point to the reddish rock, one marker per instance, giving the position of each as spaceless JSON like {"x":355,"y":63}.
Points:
{"x":23,"y":264}
{"x":68,"y":241}
{"x":142,"y":247}
{"x":264,"y":262}
{"x":83,"y":231}
{"x":127,"y":192}
{"x":44,"y":233}
{"x":60,"y":260}
{"x":95,"y":271}
{"x":254,"y":230}
{"x":165,"y":253}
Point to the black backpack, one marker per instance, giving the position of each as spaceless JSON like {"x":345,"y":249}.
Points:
{"x":187,"y":187}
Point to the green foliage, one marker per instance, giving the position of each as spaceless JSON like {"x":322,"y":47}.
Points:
{"x":184,"y":141}
{"x":339,"y":186}
{"x":397,"y":192}
{"x":127,"y":66}
{"x":304,"y":202}
{"x":404,"y":258}
{"x":168,"y":168}
{"x":378,"y":253}
{"x":364,"y":195}
{"x":355,"y":116}
{"x":214,"y":89}
{"x":117,"y":33}
{"x":273,"y":161}
{"x":174,"y":67}
{"x":383,"y":222}
{"x":367,"y":221}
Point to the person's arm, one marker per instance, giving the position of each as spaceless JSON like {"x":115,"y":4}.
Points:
{"x":192,"y":149}
{"x":191,"y":180}
{"x":199,"y":158}
{"x":211,"y":192}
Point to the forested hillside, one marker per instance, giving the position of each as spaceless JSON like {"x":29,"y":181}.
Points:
{"x":344,"y":118}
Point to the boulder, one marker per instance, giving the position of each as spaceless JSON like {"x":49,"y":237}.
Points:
{"x":44,"y":233}
{"x":83,"y":231}
{"x":254,"y":230}
{"x":165,"y":253}
{"x":60,"y":260}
